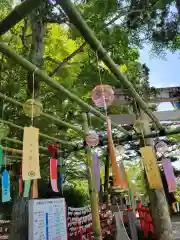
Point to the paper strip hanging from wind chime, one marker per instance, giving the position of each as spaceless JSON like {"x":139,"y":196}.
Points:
{"x":53,"y":174}
{"x":169,"y":174}
{"x":5,"y":179}
{"x":151,"y":167}
{"x":97,"y":171}
{"x":52,"y":148}
{"x":123,"y":175}
{"x":35,"y":188}
{"x":61,"y":174}
{"x":117,"y":178}
{"x":30,"y":160}
{"x":20,"y":182}
{"x":27,"y":188}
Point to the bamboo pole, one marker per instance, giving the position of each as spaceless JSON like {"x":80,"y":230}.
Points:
{"x":149,"y":135}
{"x":11,"y":150}
{"x":57,"y":120}
{"x":92,"y":186}
{"x":44,"y":149}
{"x":90,"y":37}
{"x":41,"y":134}
{"x":6,"y":50}
{"x":19,"y":12}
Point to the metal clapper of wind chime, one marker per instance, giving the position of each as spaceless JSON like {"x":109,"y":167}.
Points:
{"x":53,"y":149}
{"x":5,"y":178}
{"x":30,"y":159}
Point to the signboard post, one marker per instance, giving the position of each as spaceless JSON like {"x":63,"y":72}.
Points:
{"x":47,"y":219}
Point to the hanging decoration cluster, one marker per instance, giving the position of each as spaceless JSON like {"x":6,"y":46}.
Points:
{"x":80,"y":222}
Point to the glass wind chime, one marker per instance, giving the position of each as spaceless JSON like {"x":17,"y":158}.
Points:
{"x":5,"y":177}
{"x":53,"y":149}
{"x":103,"y":96}
{"x":30,"y":172}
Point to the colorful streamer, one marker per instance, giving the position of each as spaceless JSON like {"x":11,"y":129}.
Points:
{"x":53,"y":174}
{"x":20,"y":185}
{"x":151,"y":167}
{"x":117,"y":179}
{"x":27,"y":187}
{"x":5,"y":187}
{"x":35,"y":189}
{"x":169,"y":174}
{"x":123,"y":175}
{"x":1,"y":157}
{"x":97,"y":171}
{"x":61,"y":177}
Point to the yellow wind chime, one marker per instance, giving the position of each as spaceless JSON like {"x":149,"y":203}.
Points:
{"x":30,"y":158}
{"x":149,"y":160}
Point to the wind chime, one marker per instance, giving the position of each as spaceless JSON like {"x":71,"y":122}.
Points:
{"x":103,"y":96}
{"x":30,"y":157}
{"x":5,"y":177}
{"x":53,"y":149}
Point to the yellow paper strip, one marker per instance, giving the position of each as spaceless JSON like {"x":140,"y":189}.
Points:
{"x":30,"y":161}
{"x":151,"y":167}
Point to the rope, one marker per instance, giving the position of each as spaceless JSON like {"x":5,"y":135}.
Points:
{"x":33,"y":99}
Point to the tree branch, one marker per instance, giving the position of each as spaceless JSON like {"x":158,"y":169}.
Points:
{"x":58,"y":62}
{"x":67,"y":59}
{"x":23,"y":36}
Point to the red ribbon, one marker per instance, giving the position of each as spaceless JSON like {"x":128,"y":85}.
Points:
{"x":53,"y":174}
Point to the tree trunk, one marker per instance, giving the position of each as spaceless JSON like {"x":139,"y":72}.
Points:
{"x":38,"y":28}
{"x":19,"y":220}
{"x":19,"y":216}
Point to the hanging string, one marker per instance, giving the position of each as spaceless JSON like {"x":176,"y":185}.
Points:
{"x":141,"y":128}
{"x":33,"y":98}
{"x":102,"y":89}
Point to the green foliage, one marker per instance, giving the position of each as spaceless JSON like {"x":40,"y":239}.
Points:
{"x":80,"y":74}
{"x":135,"y":175}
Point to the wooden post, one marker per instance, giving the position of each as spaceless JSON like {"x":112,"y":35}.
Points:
{"x":92,"y":186}
{"x":158,"y":204}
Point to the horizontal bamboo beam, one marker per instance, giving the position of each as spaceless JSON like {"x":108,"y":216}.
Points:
{"x":151,"y":135}
{"x":12,"y":150}
{"x":48,"y":116}
{"x":95,"y":44}
{"x":19,"y":12}
{"x":44,"y":149}
{"x":41,"y":134}
{"x":6,"y":50}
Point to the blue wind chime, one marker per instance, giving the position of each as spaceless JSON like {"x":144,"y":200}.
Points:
{"x":5,"y":180}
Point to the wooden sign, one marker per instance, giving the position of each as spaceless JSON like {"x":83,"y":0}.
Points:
{"x":151,"y":167}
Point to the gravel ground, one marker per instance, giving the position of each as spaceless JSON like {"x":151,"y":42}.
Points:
{"x":176,"y":227}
